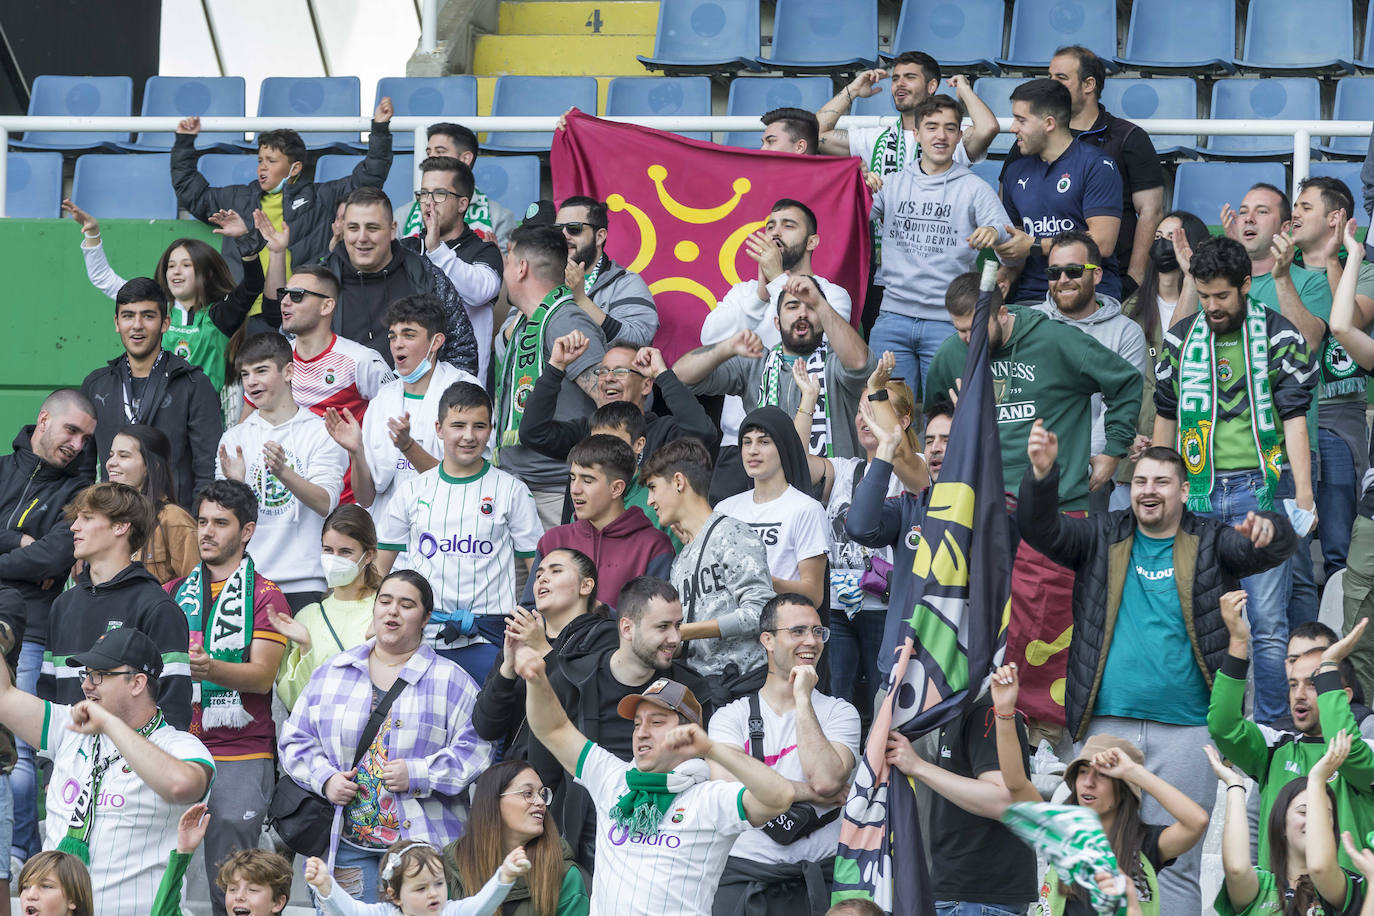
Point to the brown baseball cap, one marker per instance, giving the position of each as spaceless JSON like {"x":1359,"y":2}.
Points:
{"x":1096,"y":745}
{"x":666,"y":693}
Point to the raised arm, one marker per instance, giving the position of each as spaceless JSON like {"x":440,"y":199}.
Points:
{"x":548,"y":722}
{"x":1290,"y":302}
{"x":984,"y":129}
{"x":865,"y":85}
{"x":1242,"y":884}
{"x":1240,"y":739}
{"x":694,"y":366}
{"x":840,"y":335}
{"x":20,"y":712}
{"x":180,"y":782}
{"x":1344,"y":325}
{"x":1006,"y":686}
{"x":1190,"y":821}
{"x":1322,"y":867}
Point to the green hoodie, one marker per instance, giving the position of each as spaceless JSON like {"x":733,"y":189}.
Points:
{"x":1049,"y":371}
{"x":1274,"y":758}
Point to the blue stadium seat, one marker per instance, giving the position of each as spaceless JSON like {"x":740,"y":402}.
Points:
{"x":962,"y":36}
{"x":990,"y":170}
{"x":184,"y":96}
{"x":1314,"y":36}
{"x":510,"y":180}
{"x":660,"y":96}
{"x":1155,"y":42}
{"x":312,"y":96}
{"x":757,"y":95}
{"x":537,"y":95}
{"x":442,"y":98}
{"x":812,"y":36}
{"x":1202,"y":188}
{"x":1039,"y":27}
{"x":399,"y":184}
{"x":705,"y":36}
{"x":1349,"y":172}
{"x":1141,"y":99}
{"x":1296,"y":98}
{"x":879,"y":105}
{"x":226,"y":169}
{"x":121,"y":186}
{"x":33,"y":185}
{"x":1354,"y":102}
{"x":332,"y":166}
{"x":78,"y":97}
{"x":996,"y":92}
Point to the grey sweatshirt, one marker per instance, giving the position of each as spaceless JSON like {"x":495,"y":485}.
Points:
{"x":722,"y":575}
{"x":926,"y":221}
{"x":626,"y":300}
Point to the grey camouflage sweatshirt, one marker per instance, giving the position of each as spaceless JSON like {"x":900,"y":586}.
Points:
{"x":926,"y":222}
{"x":722,"y":575}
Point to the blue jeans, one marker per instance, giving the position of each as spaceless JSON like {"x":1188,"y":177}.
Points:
{"x":964,"y":908}
{"x":914,"y":342}
{"x":367,"y":862}
{"x":1234,"y":493}
{"x":1337,"y":495}
{"x":475,"y":659}
{"x":853,"y":649}
{"x":24,"y":780}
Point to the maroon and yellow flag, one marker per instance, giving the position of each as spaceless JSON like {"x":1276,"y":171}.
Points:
{"x":681,"y":209}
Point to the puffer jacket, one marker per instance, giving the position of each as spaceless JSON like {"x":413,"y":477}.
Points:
{"x":1210,"y":559}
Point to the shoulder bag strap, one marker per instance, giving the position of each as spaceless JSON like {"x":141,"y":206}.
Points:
{"x":755,"y":728}
{"x":374,"y":723}
{"x":338,"y":642}
{"x":696,"y":573}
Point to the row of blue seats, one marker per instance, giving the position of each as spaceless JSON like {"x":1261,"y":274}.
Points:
{"x":1163,"y":36}
{"x":114,"y":186}
{"x":123,"y":187}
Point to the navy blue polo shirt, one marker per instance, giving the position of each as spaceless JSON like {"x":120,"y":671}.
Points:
{"x":1046,"y":199}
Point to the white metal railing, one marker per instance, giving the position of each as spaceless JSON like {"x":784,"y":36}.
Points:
{"x":1301,"y":132}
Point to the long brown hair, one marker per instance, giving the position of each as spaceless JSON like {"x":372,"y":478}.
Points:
{"x":72,"y":878}
{"x":352,"y":521}
{"x":1304,"y":893}
{"x":479,"y":852}
{"x":1126,"y":835}
{"x":213,"y":279}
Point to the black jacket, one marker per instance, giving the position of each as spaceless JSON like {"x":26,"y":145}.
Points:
{"x":133,"y":598}
{"x":307,"y":208}
{"x":1210,"y":559}
{"x":32,"y":496}
{"x":188,"y":415}
{"x":364,"y":298}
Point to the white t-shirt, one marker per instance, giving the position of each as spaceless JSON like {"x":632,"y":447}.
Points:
{"x":675,"y":873}
{"x":861,"y":140}
{"x":845,"y":553}
{"x":286,"y":543}
{"x":134,"y":827}
{"x":792,"y":527}
{"x":839,"y":722}
{"x":463,"y":534}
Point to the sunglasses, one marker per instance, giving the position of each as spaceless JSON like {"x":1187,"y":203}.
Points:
{"x":1072,"y":271}
{"x":296,"y":293}
{"x":575,"y":228}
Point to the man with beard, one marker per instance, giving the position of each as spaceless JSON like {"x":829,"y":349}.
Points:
{"x":782,"y":249}
{"x":1233,"y":390}
{"x":809,"y":329}
{"x":616,"y":299}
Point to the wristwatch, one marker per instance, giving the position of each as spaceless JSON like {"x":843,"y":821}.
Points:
{"x":879,"y":395}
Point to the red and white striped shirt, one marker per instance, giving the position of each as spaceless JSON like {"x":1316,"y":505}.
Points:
{"x":346,"y":375}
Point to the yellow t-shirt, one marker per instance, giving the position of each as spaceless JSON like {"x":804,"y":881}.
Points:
{"x":272,"y":209}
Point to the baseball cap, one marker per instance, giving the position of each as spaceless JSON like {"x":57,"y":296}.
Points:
{"x":1096,"y":745}
{"x":121,"y":646}
{"x":540,"y":213}
{"x":666,"y":693}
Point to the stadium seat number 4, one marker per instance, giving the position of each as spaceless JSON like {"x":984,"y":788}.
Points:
{"x":595,"y":23}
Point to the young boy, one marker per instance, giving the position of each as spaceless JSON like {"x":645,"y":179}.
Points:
{"x":461,"y":524}
{"x":622,"y":542}
{"x":295,"y":469}
{"x":397,"y":438}
{"x":627,"y":423}
{"x":255,"y":882}
{"x":722,"y":573}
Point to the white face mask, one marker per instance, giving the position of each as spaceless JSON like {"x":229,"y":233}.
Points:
{"x":338,"y":571}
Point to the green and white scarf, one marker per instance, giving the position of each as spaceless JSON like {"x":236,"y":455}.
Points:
{"x":590,"y":280}
{"x":822,"y":442}
{"x":478,"y":218}
{"x":1197,"y":407}
{"x":78,"y":838}
{"x":888,"y":158}
{"x":649,"y":796}
{"x":1341,"y":375}
{"x":226,"y":630}
{"x":1071,"y":838}
{"x":520,"y":364}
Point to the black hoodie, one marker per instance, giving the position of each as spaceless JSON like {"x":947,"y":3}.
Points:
{"x":133,"y":598}
{"x":32,"y":496}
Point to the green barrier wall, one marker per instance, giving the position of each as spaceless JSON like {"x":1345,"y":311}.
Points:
{"x":55,"y":327}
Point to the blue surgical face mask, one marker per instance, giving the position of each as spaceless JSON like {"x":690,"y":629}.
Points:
{"x":419,"y":372}
{"x":281,"y":185}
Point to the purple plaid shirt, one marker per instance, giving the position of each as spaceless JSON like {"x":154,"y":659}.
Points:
{"x":431,"y":730}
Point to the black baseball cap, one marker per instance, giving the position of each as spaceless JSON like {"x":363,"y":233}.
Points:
{"x":540,"y":213}
{"x":121,"y":646}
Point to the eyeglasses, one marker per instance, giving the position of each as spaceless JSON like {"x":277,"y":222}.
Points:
{"x":296,"y":293}
{"x":96,"y":677}
{"x":545,"y":795}
{"x":1072,"y":271}
{"x":576,"y":227}
{"x":438,"y":195}
{"x":821,"y":633}
{"x":620,"y":372}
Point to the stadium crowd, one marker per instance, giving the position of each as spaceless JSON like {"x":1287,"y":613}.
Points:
{"x":409,"y":544}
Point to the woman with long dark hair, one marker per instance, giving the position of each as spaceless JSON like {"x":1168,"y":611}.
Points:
{"x":1152,"y":305}
{"x":510,"y":808}
{"x":140,"y":456}
{"x":1302,"y":876}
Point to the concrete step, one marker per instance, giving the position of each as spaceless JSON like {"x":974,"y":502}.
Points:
{"x":561,"y":55}
{"x":577,"y":17}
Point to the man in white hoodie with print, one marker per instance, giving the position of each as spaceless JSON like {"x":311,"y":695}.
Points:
{"x":936,"y":216}
{"x":284,"y":453}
